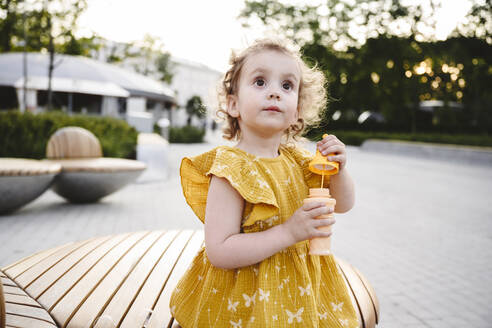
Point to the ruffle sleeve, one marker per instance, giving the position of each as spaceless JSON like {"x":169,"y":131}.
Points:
{"x":303,"y":157}
{"x":227,"y":163}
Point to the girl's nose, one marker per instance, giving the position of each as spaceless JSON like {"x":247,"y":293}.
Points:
{"x":273,"y":95}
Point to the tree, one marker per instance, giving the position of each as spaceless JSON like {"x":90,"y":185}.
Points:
{"x":382,"y":56}
{"x":49,"y":27}
{"x":156,"y":61}
{"x":67,"y":13}
{"x":164,"y":67}
{"x":37,"y":16}
{"x":195,"y":107}
{"x":7,"y":25}
{"x":340,"y":24}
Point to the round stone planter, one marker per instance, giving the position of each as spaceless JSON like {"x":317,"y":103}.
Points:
{"x":23,"y":180}
{"x":90,"y":179}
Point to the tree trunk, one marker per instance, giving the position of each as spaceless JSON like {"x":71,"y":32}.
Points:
{"x":51,"y":49}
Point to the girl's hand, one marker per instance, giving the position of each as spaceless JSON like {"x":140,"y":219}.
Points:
{"x":302,"y":224}
{"x":330,"y":145}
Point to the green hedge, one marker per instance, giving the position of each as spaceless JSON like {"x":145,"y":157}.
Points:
{"x":186,"y":134}
{"x":26,"y":135}
{"x":356,"y":138}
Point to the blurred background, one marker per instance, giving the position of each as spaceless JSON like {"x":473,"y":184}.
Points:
{"x":407,"y":70}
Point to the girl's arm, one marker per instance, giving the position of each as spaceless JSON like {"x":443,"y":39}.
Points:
{"x":227,"y":248}
{"x":342,"y":189}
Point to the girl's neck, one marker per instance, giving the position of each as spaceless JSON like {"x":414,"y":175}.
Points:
{"x":260,"y":146}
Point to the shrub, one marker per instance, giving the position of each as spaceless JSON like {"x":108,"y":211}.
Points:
{"x":356,"y":138}
{"x":186,"y":134}
{"x":26,"y":135}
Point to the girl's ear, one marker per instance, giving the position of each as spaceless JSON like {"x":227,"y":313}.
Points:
{"x":232,"y":106}
{"x":296,"y":115}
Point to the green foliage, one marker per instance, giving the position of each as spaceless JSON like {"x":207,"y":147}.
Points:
{"x":51,"y":19}
{"x":342,"y":24}
{"x":186,"y":134}
{"x":195,"y":107}
{"x":356,"y":138}
{"x":156,"y":61}
{"x":387,"y":71}
{"x":164,"y":67}
{"x":374,"y":77}
{"x":26,"y":135}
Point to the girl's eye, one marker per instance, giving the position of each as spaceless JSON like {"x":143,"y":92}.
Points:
{"x":260,"y":82}
{"x":287,"y":85}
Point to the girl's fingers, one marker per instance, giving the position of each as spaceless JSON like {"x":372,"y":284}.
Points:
{"x":320,"y":211}
{"x":337,"y":149}
{"x":319,"y":233}
{"x":312,"y":205}
{"x":330,"y":139}
{"x":323,"y":222}
{"x":338,"y":158}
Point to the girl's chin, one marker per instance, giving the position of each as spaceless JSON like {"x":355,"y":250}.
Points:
{"x":268,"y":125}
{"x":273,"y":128}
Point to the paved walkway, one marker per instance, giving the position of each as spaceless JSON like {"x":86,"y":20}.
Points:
{"x":421,"y":231}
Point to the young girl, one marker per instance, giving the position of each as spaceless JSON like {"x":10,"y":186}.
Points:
{"x":254,"y":270}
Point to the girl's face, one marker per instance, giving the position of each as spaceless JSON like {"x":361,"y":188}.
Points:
{"x":268,"y":92}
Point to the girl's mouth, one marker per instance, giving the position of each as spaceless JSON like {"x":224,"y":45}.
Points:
{"x":273,"y":109}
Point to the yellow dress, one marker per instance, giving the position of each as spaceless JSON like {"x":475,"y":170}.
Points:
{"x":290,"y":288}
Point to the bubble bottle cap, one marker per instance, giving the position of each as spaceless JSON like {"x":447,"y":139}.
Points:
{"x":320,"y":165}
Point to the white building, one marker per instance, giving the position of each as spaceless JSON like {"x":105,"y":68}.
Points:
{"x":192,"y":79}
{"x":83,"y":85}
{"x":189,"y":78}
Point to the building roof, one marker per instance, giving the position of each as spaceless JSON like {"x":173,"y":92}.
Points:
{"x":80,"y":74}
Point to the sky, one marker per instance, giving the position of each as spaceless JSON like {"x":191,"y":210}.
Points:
{"x":203,"y":31}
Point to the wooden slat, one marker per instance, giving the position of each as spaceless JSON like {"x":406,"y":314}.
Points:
{"x":371,"y":292}
{"x":43,"y":282}
{"x":139,"y":312}
{"x":161,"y":316}
{"x":29,"y":276}
{"x":73,"y":142}
{"x":68,"y":305}
{"x":24,"y":264}
{"x":14,"y":320}
{"x":362,"y":297}
{"x":21,"y":310}
{"x":7,"y":281}
{"x":110,"y":284}
{"x":62,"y":285}
{"x":21,"y":299}
{"x":14,"y":290}
{"x":2,"y":306}
{"x":175,"y":324}
{"x":122,"y":300}
{"x":27,"y":311}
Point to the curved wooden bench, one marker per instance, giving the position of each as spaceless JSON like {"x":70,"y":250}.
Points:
{"x":19,"y":309}
{"x":23,"y":180}
{"x":73,"y":142}
{"x":86,"y":176}
{"x":90,"y":179}
{"x":2,"y":302}
{"x":126,"y":280}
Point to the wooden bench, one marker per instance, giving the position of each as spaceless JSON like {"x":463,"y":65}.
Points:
{"x":85,"y":175}
{"x":122,"y":280}
{"x":23,"y":180}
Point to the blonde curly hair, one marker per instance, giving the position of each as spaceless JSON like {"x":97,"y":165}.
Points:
{"x":312,"y":92}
